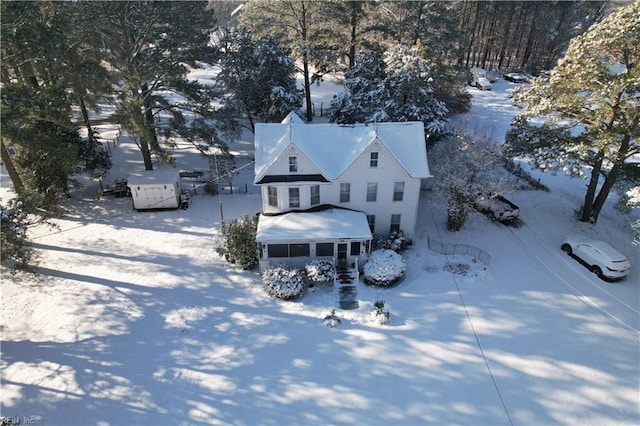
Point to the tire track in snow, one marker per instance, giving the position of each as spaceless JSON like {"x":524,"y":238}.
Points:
{"x":574,"y":291}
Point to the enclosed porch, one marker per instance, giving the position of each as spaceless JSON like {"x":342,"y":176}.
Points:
{"x":294,"y":238}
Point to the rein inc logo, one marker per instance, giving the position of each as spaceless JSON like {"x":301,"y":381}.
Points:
{"x":17,"y":420}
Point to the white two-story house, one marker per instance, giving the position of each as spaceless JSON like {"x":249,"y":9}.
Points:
{"x":326,"y":188}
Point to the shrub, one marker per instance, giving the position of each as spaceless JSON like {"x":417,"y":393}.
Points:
{"x":237,"y":241}
{"x":380,"y":315}
{"x":332,"y":319}
{"x":16,"y":251}
{"x":283,"y":282}
{"x":320,"y":271}
{"x":384,"y":268}
{"x":396,"y":242}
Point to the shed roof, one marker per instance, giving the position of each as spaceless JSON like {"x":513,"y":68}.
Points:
{"x":331,"y":224}
{"x":332,"y":147}
{"x":154,"y":177}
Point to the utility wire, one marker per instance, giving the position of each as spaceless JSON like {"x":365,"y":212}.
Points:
{"x":475,"y":334}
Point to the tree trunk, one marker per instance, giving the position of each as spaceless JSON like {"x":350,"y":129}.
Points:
{"x":85,"y":118}
{"x":305,"y":59}
{"x":505,"y":36}
{"x":11,"y":170}
{"x":611,"y":178}
{"x":354,"y":34}
{"x":587,"y":207}
{"x":473,"y":35}
{"x":307,"y":86}
{"x":146,"y":153}
{"x":149,"y":119}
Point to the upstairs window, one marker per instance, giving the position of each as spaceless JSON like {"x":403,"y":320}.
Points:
{"x":373,"y":159}
{"x":398,"y":191}
{"x":345,"y":192}
{"x":372,"y":191}
{"x":315,"y":195}
{"x":273,"y":196}
{"x":294,"y":197}
{"x":293,"y":164}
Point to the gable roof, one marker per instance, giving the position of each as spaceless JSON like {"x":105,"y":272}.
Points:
{"x":333,"y":148}
{"x":292,"y":117}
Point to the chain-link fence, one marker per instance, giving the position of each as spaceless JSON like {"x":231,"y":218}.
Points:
{"x":476,"y":253}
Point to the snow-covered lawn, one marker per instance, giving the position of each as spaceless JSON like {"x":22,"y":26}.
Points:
{"x":133,"y":319}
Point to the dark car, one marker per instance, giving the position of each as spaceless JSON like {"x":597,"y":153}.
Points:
{"x":514,"y":77}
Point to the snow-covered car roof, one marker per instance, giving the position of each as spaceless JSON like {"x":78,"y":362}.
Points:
{"x":602,"y":246}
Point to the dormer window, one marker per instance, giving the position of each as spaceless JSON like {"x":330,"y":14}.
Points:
{"x":293,"y":164}
{"x":373,"y":159}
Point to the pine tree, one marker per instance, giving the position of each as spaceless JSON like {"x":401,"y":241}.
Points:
{"x":35,"y":100}
{"x":396,"y":87}
{"x":150,"y":47}
{"x":294,"y":23}
{"x":595,"y":90}
{"x":258,"y":78}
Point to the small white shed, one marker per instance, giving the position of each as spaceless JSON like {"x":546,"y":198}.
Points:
{"x":155,"y":189}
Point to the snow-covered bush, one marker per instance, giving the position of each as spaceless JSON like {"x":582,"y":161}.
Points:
{"x":635,"y":229}
{"x":320,"y":271}
{"x":237,"y":241}
{"x":16,"y":249}
{"x":384,"y":268}
{"x":466,"y":166}
{"x":396,"y":242}
{"x":283,"y":282}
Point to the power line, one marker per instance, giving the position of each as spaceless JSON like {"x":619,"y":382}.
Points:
{"x":473,"y":330}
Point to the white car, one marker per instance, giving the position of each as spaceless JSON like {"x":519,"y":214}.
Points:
{"x":602,"y":259}
{"x":483,"y":83}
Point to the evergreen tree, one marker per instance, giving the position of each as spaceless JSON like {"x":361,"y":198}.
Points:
{"x":397,"y":87}
{"x":237,"y":241}
{"x":350,"y":26}
{"x":258,"y":77}
{"x":36,"y":121}
{"x":35,"y":106}
{"x":363,"y":88}
{"x":294,"y":23}
{"x":16,"y":252}
{"x":150,"y":46}
{"x":595,"y":90}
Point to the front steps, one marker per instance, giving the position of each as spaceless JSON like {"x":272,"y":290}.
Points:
{"x":347,"y":279}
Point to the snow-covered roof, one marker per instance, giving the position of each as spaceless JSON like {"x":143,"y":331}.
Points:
{"x":292,"y":117}
{"x":332,"y":147}
{"x":328,"y":224}
{"x":153,"y":177}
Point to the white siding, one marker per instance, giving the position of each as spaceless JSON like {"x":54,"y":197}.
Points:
{"x":385,"y":175}
{"x":281,"y":165}
{"x":358,"y":174}
{"x":305,"y":196}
